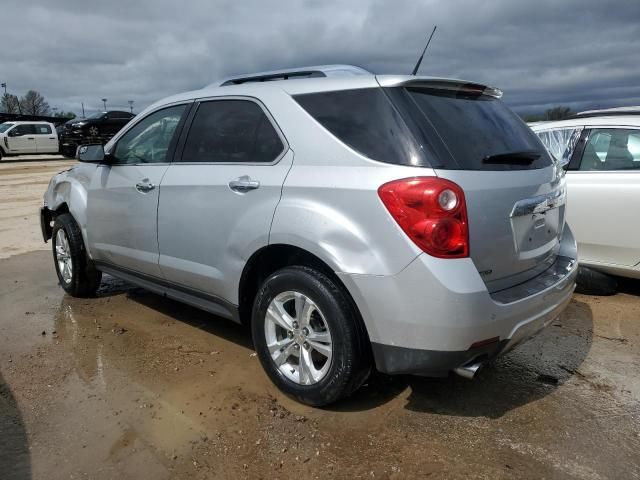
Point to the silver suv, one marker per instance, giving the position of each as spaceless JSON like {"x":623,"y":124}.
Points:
{"x":411,"y":223}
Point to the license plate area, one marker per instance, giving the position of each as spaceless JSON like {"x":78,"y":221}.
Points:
{"x":535,"y":223}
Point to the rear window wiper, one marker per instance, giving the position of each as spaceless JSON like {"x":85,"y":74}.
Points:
{"x":525,"y":157}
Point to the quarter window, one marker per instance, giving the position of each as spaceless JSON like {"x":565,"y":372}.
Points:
{"x":612,"y":149}
{"x":149,"y":140}
{"x":231,"y":131}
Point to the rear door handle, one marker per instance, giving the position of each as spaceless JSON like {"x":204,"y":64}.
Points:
{"x":243,"y":184}
{"x":145,"y":186}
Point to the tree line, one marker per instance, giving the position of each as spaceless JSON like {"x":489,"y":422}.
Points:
{"x":555,"y":113}
{"x":31,"y":103}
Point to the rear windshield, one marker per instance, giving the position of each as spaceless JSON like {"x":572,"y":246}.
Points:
{"x":429,"y":127}
{"x":5,"y":126}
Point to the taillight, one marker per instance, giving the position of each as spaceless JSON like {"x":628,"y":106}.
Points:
{"x":6,"y":142}
{"x":432,"y":212}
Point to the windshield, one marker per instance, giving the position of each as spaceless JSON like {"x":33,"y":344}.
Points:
{"x":95,"y":116}
{"x":5,"y":126}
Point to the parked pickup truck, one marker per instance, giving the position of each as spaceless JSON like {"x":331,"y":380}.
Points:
{"x":19,"y":138}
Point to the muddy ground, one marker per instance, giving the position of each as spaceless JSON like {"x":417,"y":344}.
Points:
{"x":132,"y":385}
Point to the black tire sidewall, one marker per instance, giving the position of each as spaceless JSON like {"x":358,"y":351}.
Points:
{"x":338,"y":315}
{"x":84,"y":279}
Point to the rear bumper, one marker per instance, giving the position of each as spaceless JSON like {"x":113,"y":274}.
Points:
{"x":427,"y":318}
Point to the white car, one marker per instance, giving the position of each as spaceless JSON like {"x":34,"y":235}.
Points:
{"x":602,"y":157}
{"x":27,"y":138}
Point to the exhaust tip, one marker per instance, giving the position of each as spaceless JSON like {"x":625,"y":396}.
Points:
{"x":469,"y":370}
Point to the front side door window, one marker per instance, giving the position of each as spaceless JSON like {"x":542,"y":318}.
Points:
{"x":150,"y":139}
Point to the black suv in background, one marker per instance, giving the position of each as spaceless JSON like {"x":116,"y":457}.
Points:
{"x":98,"y":128}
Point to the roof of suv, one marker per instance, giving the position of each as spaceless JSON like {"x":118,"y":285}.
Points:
{"x":315,"y":79}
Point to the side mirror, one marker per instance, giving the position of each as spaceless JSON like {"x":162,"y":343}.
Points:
{"x":14,"y":133}
{"x":91,"y":153}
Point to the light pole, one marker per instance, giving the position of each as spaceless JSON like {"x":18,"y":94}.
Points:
{"x":130,"y":105}
{"x":4,"y":85}
{"x":104,"y":102}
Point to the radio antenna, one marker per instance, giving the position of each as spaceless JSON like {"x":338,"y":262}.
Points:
{"x":415,"y":70}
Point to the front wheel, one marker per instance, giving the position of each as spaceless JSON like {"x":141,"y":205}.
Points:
{"x":307,"y":336}
{"x":76,"y":272}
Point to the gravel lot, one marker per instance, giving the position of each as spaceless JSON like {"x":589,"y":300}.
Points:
{"x":131,"y":385}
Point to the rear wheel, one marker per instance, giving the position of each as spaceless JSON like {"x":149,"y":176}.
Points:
{"x":76,"y":272}
{"x":592,"y":282}
{"x":307,"y":336}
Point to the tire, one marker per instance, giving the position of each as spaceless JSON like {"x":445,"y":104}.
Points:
{"x":1,"y":153}
{"x":592,"y":282}
{"x":77,"y":274}
{"x":68,"y":152}
{"x":328,"y":378}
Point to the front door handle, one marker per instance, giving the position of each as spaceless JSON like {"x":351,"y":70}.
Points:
{"x":145,"y":186}
{"x":243,"y":184}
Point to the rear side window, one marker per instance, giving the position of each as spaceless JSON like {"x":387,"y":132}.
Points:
{"x":365,"y":120}
{"x":480,"y":132}
{"x":43,"y":129}
{"x":612,"y":149}
{"x":231,"y":131}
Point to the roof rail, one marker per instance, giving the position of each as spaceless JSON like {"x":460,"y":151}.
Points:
{"x":293,"y":73}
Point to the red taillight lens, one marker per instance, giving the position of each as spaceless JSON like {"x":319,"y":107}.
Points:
{"x":432,"y":212}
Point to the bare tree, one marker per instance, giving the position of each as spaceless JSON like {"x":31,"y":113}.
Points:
{"x":69,"y":115}
{"x":10,"y":104}
{"x":33,"y":103}
{"x":558,"y":113}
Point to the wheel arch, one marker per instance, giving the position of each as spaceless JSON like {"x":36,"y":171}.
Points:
{"x":68,"y":195}
{"x":273,"y":257}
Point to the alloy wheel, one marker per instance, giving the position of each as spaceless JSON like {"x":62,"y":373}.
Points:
{"x":298,"y":338}
{"x":63,"y":256}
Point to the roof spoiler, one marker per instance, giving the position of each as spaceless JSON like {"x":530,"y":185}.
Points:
{"x":446,"y":84}
{"x":294,"y":73}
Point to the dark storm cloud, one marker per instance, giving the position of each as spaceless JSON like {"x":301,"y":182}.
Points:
{"x":581,"y":53}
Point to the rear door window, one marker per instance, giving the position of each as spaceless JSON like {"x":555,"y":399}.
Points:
{"x":611,"y":149}
{"x":231,"y":131}
{"x":43,"y":129}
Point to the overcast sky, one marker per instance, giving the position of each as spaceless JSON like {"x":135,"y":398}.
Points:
{"x":582,"y":53}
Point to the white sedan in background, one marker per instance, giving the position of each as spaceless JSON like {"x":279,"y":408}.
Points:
{"x":602,"y":156}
